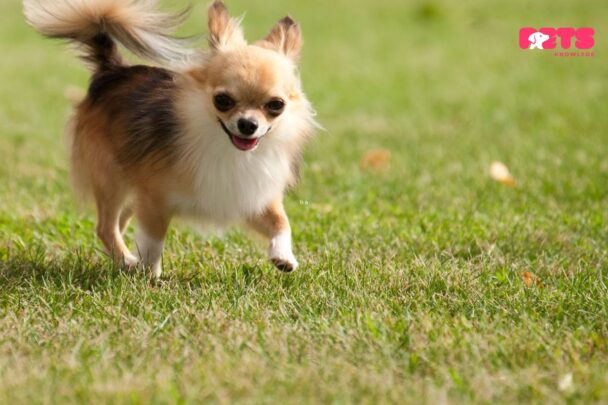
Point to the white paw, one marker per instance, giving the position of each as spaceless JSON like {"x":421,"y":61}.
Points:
{"x":280,"y":253}
{"x":156,"y":269}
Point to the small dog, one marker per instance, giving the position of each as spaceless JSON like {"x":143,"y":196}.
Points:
{"x":217,"y":139}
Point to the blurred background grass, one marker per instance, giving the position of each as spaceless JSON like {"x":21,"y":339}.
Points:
{"x":430,"y":248}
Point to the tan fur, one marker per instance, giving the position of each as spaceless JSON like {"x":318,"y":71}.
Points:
{"x":95,"y":172}
{"x":272,"y":221}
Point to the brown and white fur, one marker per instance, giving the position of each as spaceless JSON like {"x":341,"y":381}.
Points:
{"x":217,"y":140}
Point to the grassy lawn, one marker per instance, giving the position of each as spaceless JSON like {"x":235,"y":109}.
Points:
{"x":411,"y":286}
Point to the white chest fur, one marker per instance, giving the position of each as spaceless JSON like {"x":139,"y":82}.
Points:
{"x":226,"y":184}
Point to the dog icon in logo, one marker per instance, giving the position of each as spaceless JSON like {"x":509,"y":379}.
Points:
{"x":537,"y":39}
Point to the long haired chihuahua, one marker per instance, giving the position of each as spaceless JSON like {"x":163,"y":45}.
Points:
{"x":216,"y":138}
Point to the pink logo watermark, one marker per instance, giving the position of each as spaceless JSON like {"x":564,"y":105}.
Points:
{"x":548,"y":38}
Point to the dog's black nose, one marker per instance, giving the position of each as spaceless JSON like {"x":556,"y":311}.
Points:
{"x":247,"y":126}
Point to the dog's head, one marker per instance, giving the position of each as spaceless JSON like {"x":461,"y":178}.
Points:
{"x":253,"y":90}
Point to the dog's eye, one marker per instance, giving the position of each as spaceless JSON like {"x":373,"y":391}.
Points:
{"x":275,"y":106}
{"x":223,"y":102}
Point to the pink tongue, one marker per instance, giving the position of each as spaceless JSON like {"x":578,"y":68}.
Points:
{"x":244,"y":144}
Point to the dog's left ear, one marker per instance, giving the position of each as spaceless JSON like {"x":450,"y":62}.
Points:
{"x":286,"y":38}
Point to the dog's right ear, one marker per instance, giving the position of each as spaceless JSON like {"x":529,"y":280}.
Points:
{"x":285,"y":37}
{"x":224,"y":31}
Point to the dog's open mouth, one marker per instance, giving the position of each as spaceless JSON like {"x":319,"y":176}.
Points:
{"x":244,"y":143}
{"x":240,"y":143}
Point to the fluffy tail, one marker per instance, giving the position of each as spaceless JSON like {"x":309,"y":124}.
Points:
{"x":96,"y":24}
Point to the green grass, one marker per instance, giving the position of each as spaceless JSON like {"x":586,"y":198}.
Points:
{"x":410,"y":288}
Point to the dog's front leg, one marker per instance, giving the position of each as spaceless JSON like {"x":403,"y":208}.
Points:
{"x":274,"y":225}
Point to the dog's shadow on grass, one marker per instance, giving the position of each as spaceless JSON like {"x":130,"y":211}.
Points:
{"x":37,"y":267}
{"x":86,"y":271}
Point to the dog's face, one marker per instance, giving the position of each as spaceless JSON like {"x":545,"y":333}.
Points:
{"x":251,"y":88}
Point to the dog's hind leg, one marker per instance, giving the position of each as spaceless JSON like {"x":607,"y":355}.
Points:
{"x":109,"y":205}
{"x":125,"y":217}
{"x":95,"y":171}
{"x":274,"y":225}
